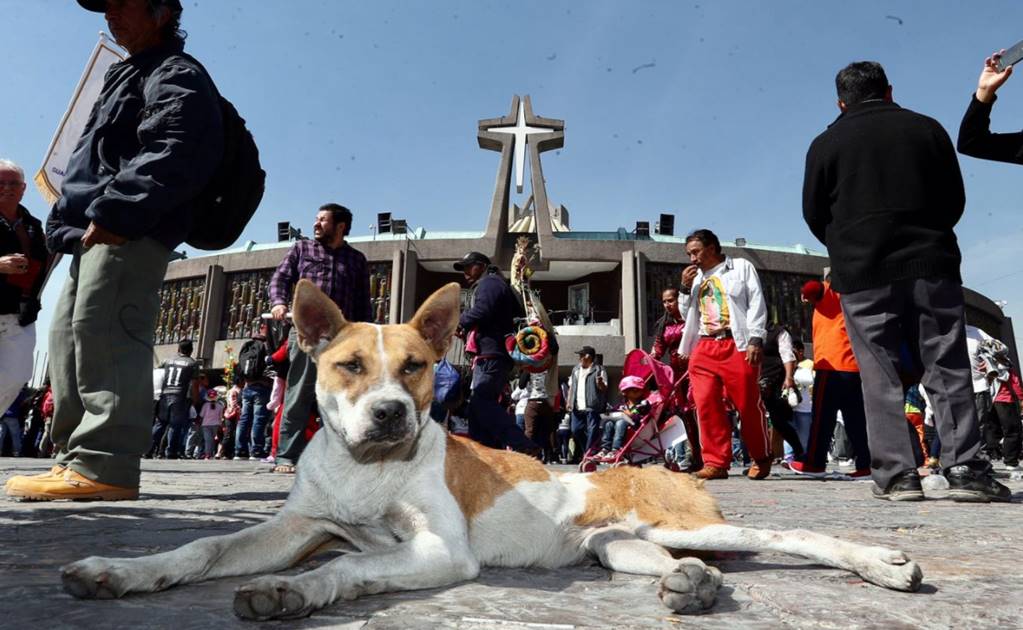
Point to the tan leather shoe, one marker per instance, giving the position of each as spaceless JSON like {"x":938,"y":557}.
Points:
{"x":711,"y":472}
{"x":760,"y":469}
{"x":56,"y":469}
{"x":19,"y":479}
{"x":66,"y":484}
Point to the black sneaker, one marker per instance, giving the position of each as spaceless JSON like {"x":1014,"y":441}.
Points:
{"x":969,"y":486}
{"x":904,"y":486}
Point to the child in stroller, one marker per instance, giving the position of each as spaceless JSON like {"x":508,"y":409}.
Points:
{"x":652,"y":426}
{"x":630,"y":414}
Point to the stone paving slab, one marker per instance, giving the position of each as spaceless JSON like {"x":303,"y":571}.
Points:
{"x":971,"y":556}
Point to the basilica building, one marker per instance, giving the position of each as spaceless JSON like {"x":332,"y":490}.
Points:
{"x":602,"y":289}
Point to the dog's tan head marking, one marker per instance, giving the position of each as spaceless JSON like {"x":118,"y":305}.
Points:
{"x":374,"y":383}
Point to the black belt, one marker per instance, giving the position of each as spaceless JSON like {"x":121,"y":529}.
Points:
{"x":724,"y":334}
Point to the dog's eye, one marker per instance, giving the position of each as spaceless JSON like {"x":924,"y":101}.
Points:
{"x":354,"y":366}
{"x":411,"y":367}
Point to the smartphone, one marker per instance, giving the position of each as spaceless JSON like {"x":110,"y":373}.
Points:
{"x":1010,"y":57}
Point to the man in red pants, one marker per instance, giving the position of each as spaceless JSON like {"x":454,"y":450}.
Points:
{"x":723,"y":294}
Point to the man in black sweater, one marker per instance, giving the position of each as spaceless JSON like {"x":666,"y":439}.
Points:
{"x":975,"y":137}
{"x":883,"y":191}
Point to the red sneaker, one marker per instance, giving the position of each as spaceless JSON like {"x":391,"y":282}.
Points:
{"x":860,"y":474}
{"x":800,"y":468}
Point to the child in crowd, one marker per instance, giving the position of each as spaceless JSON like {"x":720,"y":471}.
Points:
{"x":632,"y":411}
{"x":914,"y":411}
{"x":564,"y":435}
{"x":232,"y":412}
{"x":281,"y":364}
{"x":520,"y":394}
{"x":210,"y":415}
{"x":802,"y":413}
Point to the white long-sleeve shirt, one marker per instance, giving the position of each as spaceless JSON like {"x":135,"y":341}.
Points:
{"x":747,"y":312}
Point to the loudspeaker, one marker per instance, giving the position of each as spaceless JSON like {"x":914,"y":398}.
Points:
{"x":383,"y":222}
{"x":666,"y":225}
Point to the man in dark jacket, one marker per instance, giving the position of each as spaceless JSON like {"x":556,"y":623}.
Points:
{"x":883,"y":191}
{"x":152,"y":144}
{"x":485,"y":324}
{"x":975,"y":137}
{"x":587,"y":398}
{"x":23,"y":262}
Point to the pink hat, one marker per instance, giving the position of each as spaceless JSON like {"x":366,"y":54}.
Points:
{"x":631,"y":382}
{"x":211,"y":394}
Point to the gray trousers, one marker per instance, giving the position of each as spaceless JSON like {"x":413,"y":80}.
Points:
{"x":101,"y":359}
{"x":299,"y":403}
{"x":925,"y":318}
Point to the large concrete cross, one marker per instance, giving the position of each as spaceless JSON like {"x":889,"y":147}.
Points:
{"x":518,"y":133}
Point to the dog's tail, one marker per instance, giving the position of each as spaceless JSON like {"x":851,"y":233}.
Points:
{"x":881,"y":566}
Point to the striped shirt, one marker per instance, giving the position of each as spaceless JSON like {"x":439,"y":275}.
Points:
{"x":341,"y":273}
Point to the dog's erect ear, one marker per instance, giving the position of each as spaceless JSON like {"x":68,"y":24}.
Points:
{"x":437,"y":318}
{"x":317,"y":319}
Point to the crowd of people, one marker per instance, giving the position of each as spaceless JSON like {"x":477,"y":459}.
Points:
{"x":882,"y":191}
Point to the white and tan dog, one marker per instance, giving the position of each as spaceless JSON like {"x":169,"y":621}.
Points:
{"x":412,"y":507}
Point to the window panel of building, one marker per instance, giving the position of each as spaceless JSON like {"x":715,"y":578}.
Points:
{"x":246,"y":298}
{"x":659,"y":276}
{"x":181,"y":303}
{"x":380,"y":291}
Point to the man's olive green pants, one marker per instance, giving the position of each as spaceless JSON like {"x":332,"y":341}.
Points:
{"x":101,"y":359}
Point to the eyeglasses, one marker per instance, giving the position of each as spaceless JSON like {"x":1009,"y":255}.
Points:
{"x":12,"y":184}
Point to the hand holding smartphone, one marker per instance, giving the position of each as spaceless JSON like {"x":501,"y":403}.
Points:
{"x":1010,"y":57}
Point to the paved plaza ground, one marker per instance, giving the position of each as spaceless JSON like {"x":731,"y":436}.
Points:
{"x":971,"y":557}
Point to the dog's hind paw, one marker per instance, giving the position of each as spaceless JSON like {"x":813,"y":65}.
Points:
{"x":93,"y":578}
{"x":270,"y":598}
{"x":889,"y":568}
{"x":691,"y":587}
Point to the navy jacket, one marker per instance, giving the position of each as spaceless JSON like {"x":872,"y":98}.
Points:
{"x":152,"y":142}
{"x":492,"y":314}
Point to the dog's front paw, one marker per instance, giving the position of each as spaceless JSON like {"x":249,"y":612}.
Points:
{"x":270,"y":598}
{"x":889,"y":568}
{"x":94,"y":578}
{"x":691,"y":587}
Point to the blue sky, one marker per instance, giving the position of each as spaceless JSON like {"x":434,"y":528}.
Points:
{"x":699,"y":108}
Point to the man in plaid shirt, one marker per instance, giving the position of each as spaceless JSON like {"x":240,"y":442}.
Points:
{"x":341,"y":272}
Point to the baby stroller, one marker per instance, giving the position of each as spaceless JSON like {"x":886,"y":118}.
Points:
{"x":659,"y":428}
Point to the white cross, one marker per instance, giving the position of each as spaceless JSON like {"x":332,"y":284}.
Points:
{"x":520,"y":130}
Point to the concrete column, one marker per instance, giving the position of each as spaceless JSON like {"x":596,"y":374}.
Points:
{"x":641,"y":303}
{"x":630,"y":328}
{"x":410,"y":273}
{"x":394,"y":286}
{"x":212,"y":310}
{"x":408,"y":287}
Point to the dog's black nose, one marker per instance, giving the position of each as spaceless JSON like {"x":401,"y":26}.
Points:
{"x":389,"y":414}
